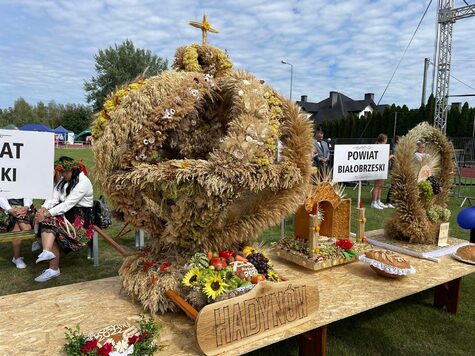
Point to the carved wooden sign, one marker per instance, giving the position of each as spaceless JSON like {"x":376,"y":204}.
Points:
{"x":267,"y":309}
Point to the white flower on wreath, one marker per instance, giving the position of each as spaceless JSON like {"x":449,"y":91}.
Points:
{"x":208,"y":78}
{"x":238,"y":155}
{"x":193,"y":92}
{"x":168,"y":114}
{"x":125,"y":352}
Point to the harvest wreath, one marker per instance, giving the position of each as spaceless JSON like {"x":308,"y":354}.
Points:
{"x":191,"y":157}
{"x":421,"y":188}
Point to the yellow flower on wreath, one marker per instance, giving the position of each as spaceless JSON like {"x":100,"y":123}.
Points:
{"x":109,"y":105}
{"x":263,"y":161}
{"x":214,"y":286}
{"x":192,"y":277}
{"x":136,"y":85}
{"x":190,"y":59}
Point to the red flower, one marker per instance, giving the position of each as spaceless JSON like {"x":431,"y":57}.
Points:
{"x":105,"y":349}
{"x":142,"y":336}
{"x":164,"y":267}
{"x":344,"y":244}
{"x":89,"y":346}
{"x":147,"y":265}
{"x":133,"y":339}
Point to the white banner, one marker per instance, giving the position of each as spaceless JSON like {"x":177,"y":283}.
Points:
{"x":26,"y":164}
{"x":360,"y":162}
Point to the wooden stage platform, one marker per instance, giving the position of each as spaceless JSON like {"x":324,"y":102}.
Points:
{"x":32,"y":323}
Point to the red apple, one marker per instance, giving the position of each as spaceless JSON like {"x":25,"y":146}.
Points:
{"x":218,"y":262}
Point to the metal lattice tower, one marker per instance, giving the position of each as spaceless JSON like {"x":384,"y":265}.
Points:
{"x":447,"y":16}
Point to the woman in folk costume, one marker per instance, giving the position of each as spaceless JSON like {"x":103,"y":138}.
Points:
{"x":16,"y":215}
{"x":66,"y":220}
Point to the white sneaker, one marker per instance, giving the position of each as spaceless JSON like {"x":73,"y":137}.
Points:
{"x":47,"y":275}
{"x":35,"y":246}
{"x":382,"y":205}
{"x":45,"y":256}
{"x":391,"y":206}
{"x":19,"y":262}
{"x":375,"y":205}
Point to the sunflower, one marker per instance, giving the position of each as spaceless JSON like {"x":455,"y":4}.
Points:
{"x":214,"y":286}
{"x":192,"y":277}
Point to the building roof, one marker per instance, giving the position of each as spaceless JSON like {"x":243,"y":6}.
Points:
{"x":342,"y":106}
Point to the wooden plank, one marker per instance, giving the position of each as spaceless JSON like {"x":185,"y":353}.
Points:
{"x":269,"y":308}
{"x":17,"y":236}
{"x":448,"y":295}
{"x":111,"y":242}
{"x":313,"y":342}
{"x":183,"y":304}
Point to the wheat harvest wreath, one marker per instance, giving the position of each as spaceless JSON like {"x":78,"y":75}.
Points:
{"x":191,"y":156}
{"x":421,"y":187}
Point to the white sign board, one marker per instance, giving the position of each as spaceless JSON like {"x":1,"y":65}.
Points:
{"x":26,"y":164}
{"x":360,"y":162}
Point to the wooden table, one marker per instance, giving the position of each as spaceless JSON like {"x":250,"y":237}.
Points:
{"x":32,"y":323}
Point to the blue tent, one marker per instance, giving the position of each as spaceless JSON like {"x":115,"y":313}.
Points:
{"x":62,"y":132}
{"x":36,"y":127}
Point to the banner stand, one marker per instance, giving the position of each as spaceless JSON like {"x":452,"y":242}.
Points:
{"x":358,"y":203}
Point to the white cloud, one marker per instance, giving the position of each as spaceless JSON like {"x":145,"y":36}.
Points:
{"x":47,"y":47}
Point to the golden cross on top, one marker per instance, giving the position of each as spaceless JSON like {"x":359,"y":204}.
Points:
{"x":205,"y":27}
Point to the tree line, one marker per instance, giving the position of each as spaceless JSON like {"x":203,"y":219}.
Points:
{"x":459,"y":121}
{"x":115,"y":66}
{"x":72,"y":117}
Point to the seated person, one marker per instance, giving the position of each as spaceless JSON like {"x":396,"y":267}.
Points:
{"x":16,"y":215}
{"x":65,"y":221}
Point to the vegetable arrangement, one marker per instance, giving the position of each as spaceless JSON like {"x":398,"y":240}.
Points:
{"x":215,"y":276}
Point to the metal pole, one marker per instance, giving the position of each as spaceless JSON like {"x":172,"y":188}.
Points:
{"x":473,"y":138}
{"x":282,"y":223}
{"x":424,"y":81}
{"x":436,"y":44}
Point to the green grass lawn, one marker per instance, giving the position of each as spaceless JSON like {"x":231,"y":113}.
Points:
{"x":409,"y":326}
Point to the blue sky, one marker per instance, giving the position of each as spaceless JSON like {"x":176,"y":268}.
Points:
{"x":47,"y":47}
